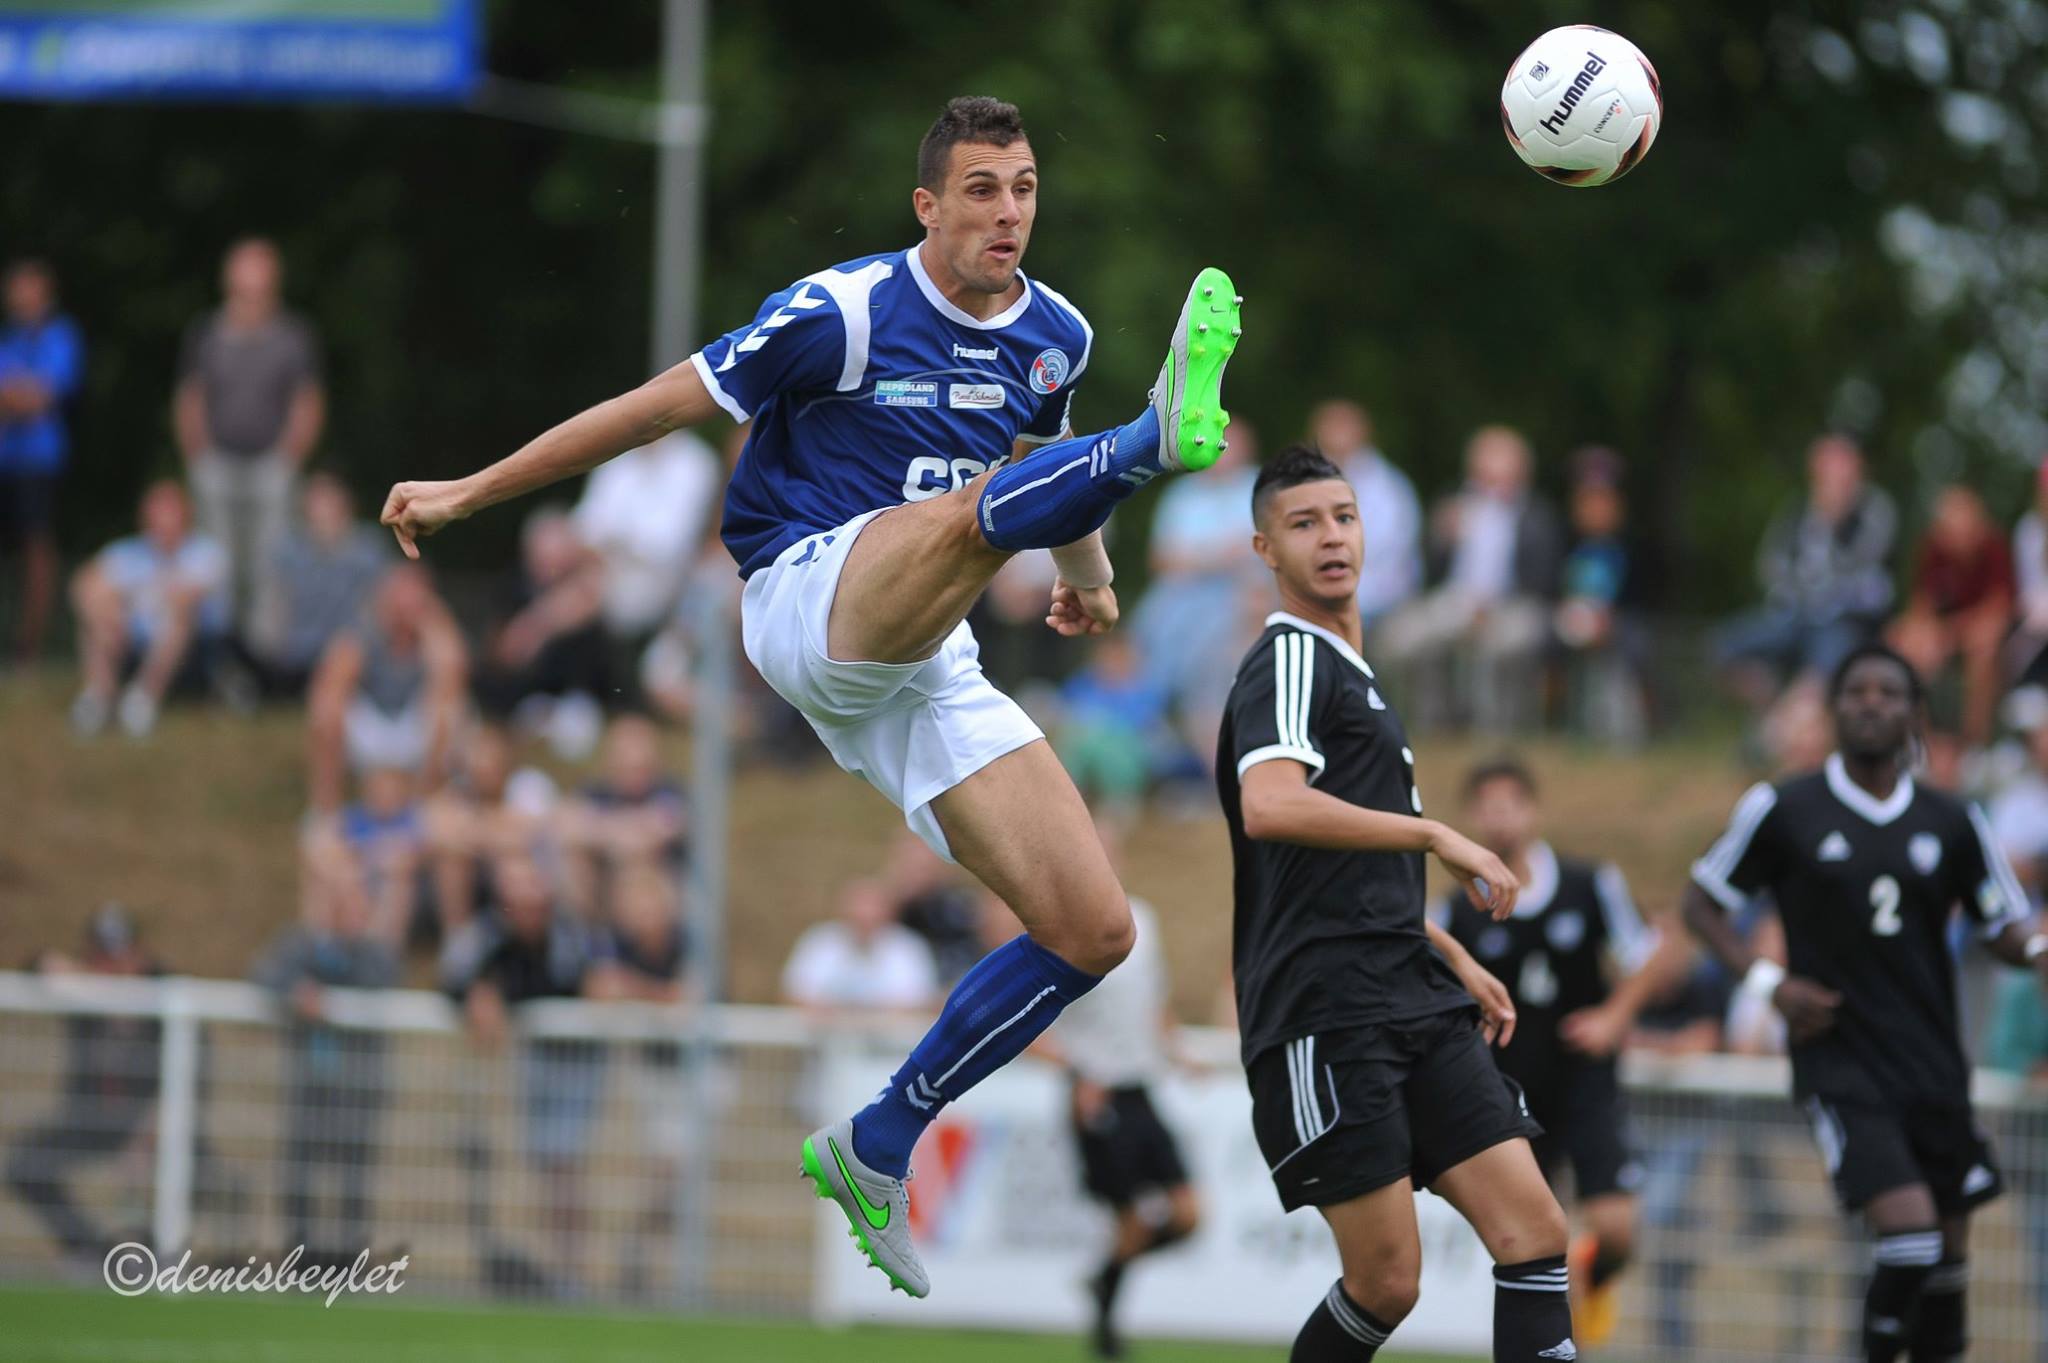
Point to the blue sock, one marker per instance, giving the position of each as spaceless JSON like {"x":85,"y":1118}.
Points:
{"x":1008,"y":998}
{"x":1069,"y":488}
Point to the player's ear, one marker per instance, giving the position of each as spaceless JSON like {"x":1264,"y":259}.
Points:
{"x":1262,"y":548}
{"x":925,"y":205}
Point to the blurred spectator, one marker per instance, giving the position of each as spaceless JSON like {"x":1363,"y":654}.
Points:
{"x":1961,"y":605}
{"x":2027,"y":653}
{"x":933,"y":900}
{"x":42,"y":362}
{"x":321,"y":576}
{"x":1009,"y":620}
{"x":862,"y":961}
{"x":1824,"y":565}
{"x":337,"y":1081}
{"x":1388,"y":510}
{"x":1111,"y":717}
{"x":631,"y":818}
{"x":384,"y":835}
{"x":388,"y":691}
{"x":645,"y":514}
{"x":2019,"y":813}
{"x":535,"y":949}
{"x":491,"y":807}
{"x":643,"y":956}
{"x":548,"y":647}
{"x":110,"y":1087}
{"x":153,"y":601}
{"x":1189,"y":617}
{"x":1601,"y":639}
{"x":1496,"y":547}
{"x":249,"y":410}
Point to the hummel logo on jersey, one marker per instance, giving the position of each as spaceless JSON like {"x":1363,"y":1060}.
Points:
{"x":1563,"y":1349}
{"x":803,"y":300}
{"x":968,"y":352}
{"x":1833,"y":847}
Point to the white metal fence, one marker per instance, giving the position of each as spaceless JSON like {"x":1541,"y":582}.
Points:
{"x":624,"y":1153}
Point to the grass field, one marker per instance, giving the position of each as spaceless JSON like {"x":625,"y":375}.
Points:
{"x":87,"y":1326}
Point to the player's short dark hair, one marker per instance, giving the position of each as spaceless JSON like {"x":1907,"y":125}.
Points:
{"x":1503,"y":768}
{"x":966,"y":118}
{"x":1865,"y":652}
{"x":1291,"y":467}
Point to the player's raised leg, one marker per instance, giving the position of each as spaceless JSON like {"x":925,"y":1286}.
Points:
{"x":1380,"y":1250}
{"x":916,"y":570}
{"x":1502,"y":1193}
{"x":1018,"y":825}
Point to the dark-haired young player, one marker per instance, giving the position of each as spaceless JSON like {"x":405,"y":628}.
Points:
{"x":1867,"y":866}
{"x":884,"y":482}
{"x":1366,"y":1057}
{"x":1580,"y":964}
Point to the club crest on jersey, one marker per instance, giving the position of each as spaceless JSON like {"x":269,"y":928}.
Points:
{"x":1833,"y":847}
{"x":1924,"y":851}
{"x":1049,"y":370}
{"x":1566,"y":930}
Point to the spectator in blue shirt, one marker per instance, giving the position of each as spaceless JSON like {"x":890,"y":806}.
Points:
{"x":41,"y":361}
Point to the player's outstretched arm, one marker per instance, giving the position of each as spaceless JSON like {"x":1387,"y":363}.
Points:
{"x":667,"y":402}
{"x":1808,"y":1007}
{"x":1281,"y":806}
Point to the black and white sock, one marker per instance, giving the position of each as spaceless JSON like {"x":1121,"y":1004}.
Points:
{"x":1904,"y":1259}
{"x":1940,"y":1333}
{"x":1340,"y":1331}
{"x":1532,"y":1317}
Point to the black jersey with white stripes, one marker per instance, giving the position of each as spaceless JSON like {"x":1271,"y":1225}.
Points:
{"x":1867,"y":889}
{"x":1323,"y":940}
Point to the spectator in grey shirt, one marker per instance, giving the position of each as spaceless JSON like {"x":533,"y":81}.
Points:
{"x":321,"y":576}
{"x":248,"y":411}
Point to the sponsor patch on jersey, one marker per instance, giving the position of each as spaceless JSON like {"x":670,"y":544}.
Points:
{"x":1566,"y":929}
{"x":1049,"y":370}
{"x":976,"y":396}
{"x":1924,"y":851}
{"x":1833,"y":847}
{"x":906,"y":393}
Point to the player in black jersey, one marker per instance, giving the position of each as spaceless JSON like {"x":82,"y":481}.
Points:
{"x":1867,"y":867}
{"x":1580,"y":964}
{"x":1367,"y":1057}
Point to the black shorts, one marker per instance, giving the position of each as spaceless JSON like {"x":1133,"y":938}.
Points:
{"x":1126,"y":1151}
{"x":1342,"y":1114}
{"x":1870,"y":1150}
{"x":28,"y":506}
{"x":1585,"y":1125}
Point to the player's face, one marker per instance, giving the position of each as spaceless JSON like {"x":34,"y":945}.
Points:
{"x":981,"y":218}
{"x":1502,"y":816}
{"x":1874,"y":712}
{"x":1310,"y":537}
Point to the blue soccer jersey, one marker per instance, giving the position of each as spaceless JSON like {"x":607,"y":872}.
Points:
{"x":868,"y":389}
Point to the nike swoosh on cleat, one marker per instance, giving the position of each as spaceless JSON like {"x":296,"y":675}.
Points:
{"x":878,"y":1217}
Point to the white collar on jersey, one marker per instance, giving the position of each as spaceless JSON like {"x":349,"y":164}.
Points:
{"x":1542,"y":885}
{"x":1334,"y":640}
{"x":1879,"y":812}
{"x":966,"y":319}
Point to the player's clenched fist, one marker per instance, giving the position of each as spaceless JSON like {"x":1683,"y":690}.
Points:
{"x":416,"y":510}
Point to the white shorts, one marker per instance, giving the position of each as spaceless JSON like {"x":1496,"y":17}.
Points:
{"x":914,"y":730}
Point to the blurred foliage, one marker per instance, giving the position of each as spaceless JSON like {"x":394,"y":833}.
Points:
{"x":1840,"y":224}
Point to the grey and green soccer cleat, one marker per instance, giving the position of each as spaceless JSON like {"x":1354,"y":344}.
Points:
{"x":1188,"y":398}
{"x":877,"y":1206}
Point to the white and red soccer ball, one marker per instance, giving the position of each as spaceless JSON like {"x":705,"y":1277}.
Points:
{"x":1581,"y":105}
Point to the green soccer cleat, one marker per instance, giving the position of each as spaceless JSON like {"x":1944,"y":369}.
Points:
{"x":877,"y":1206}
{"x":1188,"y":399}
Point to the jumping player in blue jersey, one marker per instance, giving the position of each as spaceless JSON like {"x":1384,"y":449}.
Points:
{"x":896,"y":401}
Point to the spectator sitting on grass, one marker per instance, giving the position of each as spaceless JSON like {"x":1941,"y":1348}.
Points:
{"x":154,"y":601}
{"x":1961,"y":605}
{"x":1111,"y":717}
{"x":633,"y":816}
{"x":384,"y":835}
{"x":547,"y":651}
{"x":1600,"y":640}
{"x":389,"y":690}
{"x":932,"y":898}
{"x":322,"y":573}
{"x":491,"y":807}
{"x":863,"y":961}
{"x":42,"y":362}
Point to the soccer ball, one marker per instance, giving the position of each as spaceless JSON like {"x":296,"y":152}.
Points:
{"x":1581,"y":105}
